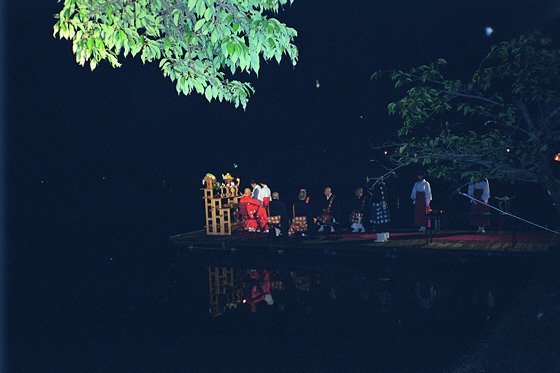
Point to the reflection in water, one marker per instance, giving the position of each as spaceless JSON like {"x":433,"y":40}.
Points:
{"x":416,"y":315}
{"x":310,"y":291}
{"x":426,"y":294}
{"x":224,"y":289}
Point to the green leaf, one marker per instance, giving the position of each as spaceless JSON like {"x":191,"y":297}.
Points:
{"x":208,"y":93}
{"x":231,"y":48}
{"x":199,"y":24}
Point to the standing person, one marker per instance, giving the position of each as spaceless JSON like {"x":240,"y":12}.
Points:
{"x":421,"y":197}
{"x":278,"y":216}
{"x":327,"y":208}
{"x":265,"y":193}
{"x":256,"y":193}
{"x":480,"y":212}
{"x":379,"y":217}
{"x":358,"y":211}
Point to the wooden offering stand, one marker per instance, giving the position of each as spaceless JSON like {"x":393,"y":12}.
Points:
{"x":221,"y":209}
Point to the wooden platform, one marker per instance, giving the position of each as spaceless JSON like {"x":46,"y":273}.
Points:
{"x":403,"y":241}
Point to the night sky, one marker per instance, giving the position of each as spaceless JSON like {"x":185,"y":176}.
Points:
{"x":70,"y":128}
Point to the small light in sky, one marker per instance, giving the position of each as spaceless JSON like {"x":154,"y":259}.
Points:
{"x":489,"y":30}
{"x":235,"y":165}
{"x":385,"y":152}
{"x":361,"y":116}
{"x":317,"y":84}
{"x":557,"y":157}
{"x":508,"y":150}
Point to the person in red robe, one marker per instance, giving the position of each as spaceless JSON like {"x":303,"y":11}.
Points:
{"x":252,"y":213}
{"x":421,"y":197}
{"x":259,"y":288}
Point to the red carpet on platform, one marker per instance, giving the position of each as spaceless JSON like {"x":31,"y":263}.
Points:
{"x":374,"y":236}
{"x":459,"y":237}
{"x":494,"y":238}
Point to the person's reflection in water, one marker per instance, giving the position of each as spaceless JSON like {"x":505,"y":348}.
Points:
{"x":483,"y":301}
{"x":426,"y":294}
{"x":259,"y":288}
{"x":384,"y":296}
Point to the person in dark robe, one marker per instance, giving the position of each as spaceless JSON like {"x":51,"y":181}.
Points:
{"x":379,"y":216}
{"x":302,"y":216}
{"x":327,"y":210}
{"x":358,"y":211}
{"x":278,"y":217}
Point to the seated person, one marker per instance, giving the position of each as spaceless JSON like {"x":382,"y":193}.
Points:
{"x":278,"y":216}
{"x":358,"y":211}
{"x":327,"y":207}
{"x":302,"y":215}
{"x":252,"y":213}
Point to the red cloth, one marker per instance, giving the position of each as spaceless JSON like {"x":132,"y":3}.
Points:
{"x":420,"y":210}
{"x":253,"y":214}
{"x":266,"y":201}
{"x":479,"y":210}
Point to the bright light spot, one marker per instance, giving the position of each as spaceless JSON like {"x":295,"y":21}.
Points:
{"x":385,"y":152}
{"x":508,"y":150}
{"x":244,"y":301}
{"x":235,"y":165}
{"x":317,"y":84}
{"x":488,"y":30}
{"x":557,"y":157}
{"x":42,"y":181}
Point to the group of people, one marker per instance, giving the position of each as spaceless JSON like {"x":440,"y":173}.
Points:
{"x":263,"y":211}
{"x":478,"y":192}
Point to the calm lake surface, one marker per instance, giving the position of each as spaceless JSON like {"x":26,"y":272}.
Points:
{"x":94,"y":289}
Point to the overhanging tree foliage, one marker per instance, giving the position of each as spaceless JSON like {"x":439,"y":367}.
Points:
{"x":506,"y":118}
{"x":198,"y":42}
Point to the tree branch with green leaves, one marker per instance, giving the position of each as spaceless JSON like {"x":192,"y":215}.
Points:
{"x":505,"y":118}
{"x":200,"y":44}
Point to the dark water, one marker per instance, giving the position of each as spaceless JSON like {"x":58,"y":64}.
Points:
{"x":94,"y":285}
